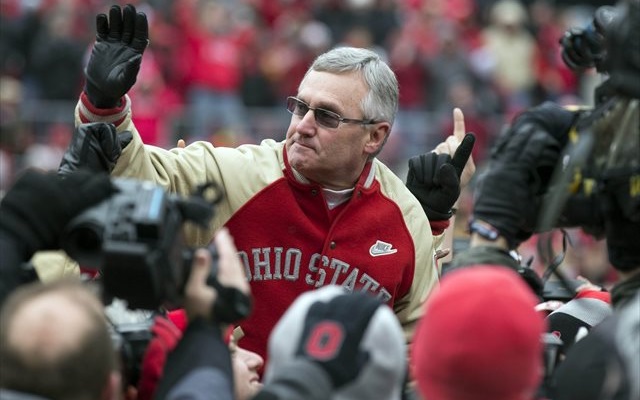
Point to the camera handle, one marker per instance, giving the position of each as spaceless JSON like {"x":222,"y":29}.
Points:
{"x":232,"y":305}
{"x":199,"y":208}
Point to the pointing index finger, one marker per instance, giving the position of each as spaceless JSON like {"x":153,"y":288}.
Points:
{"x":459,"y":130}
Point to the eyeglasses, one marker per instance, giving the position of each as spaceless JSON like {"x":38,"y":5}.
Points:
{"x":323,"y":117}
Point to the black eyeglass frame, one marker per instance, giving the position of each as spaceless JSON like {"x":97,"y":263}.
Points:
{"x":318,"y":113}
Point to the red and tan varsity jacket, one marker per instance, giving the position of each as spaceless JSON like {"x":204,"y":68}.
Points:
{"x":288,"y":239}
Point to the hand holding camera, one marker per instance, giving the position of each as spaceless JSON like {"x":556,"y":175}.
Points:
{"x":510,"y":191}
{"x":217,"y":285}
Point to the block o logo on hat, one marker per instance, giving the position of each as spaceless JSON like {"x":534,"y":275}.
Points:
{"x":325,"y":340}
{"x":326,"y":317}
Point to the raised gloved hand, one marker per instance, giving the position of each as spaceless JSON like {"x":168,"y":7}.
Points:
{"x":95,"y":147}
{"x":116,"y":56}
{"x":39,"y":205}
{"x":333,"y":332}
{"x":435,"y":179}
{"x":511,"y":189}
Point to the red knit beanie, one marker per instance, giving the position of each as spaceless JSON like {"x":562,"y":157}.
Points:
{"x":479,"y":338}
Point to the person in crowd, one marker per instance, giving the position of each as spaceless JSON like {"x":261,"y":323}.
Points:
{"x":500,"y":224}
{"x":374,"y":366}
{"x":55,"y":344}
{"x":200,"y":365}
{"x":211,"y":62}
{"x":507,"y":55}
{"x":167,"y":330}
{"x":330,"y":344}
{"x":49,"y":334}
{"x":314,"y":209}
{"x":477,"y":343}
{"x":600,"y":365}
{"x":246,"y":368}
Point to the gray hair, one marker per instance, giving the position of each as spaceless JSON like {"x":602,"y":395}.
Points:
{"x":381,"y":101}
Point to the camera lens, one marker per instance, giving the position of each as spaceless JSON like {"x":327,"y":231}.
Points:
{"x":84,"y":244}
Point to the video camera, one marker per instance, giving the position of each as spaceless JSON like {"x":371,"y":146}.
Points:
{"x":585,"y":47}
{"x":596,"y":186}
{"x":131,"y":332}
{"x":136,"y":240}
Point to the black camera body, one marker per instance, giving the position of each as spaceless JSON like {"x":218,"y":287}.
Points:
{"x":135,"y":239}
{"x":131,"y":332}
{"x":585,"y":47}
{"x":596,"y":186}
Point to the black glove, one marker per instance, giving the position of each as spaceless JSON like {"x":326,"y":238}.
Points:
{"x":95,"y":147}
{"x":511,"y":189}
{"x":333,"y":332}
{"x":435,"y":179}
{"x":116,"y":56}
{"x":509,"y":192}
{"x":39,"y":205}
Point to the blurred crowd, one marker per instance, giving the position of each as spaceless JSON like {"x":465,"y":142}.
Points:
{"x":220,"y":70}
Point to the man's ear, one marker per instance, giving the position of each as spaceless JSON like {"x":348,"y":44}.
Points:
{"x":377,"y":137}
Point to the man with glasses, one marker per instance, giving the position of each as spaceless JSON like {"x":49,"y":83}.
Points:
{"x":315,"y":209}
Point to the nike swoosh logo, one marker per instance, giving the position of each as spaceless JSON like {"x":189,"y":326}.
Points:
{"x":381,"y":248}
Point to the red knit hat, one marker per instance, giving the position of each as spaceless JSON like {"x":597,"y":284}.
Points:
{"x":479,"y":338}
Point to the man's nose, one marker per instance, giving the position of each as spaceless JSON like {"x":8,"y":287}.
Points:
{"x":307,"y":124}
{"x":256,"y":361}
